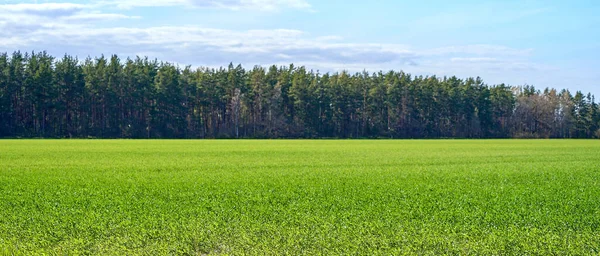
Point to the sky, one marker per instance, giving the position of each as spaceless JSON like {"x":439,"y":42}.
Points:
{"x":526,"y":42}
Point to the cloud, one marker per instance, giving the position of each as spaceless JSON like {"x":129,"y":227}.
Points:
{"x":43,"y":9}
{"x":214,"y":47}
{"x":196,"y":45}
{"x":98,"y":16}
{"x":266,"y":5}
{"x":78,"y":30}
{"x":49,"y":14}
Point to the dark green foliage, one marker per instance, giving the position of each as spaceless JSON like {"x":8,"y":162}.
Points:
{"x":5,"y":97}
{"x":139,"y":98}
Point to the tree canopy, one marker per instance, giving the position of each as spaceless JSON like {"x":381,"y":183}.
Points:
{"x":43,"y":96}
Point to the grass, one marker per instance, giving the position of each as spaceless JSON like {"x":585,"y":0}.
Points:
{"x":122,"y":197}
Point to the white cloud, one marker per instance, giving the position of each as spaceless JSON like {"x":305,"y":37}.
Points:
{"x":214,"y":47}
{"x":49,"y":14}
{"x":75,"y":29}
{"x":42,"y":8}
{"x":267,"y":5}
{"x":126,"y":4}
{"x":99,"y":16}
{"x":193,"y":44}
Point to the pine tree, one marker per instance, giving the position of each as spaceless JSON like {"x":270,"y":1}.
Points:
{"x":139,"y":98}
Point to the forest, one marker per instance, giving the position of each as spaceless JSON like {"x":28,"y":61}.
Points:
{"x":107,"y":97}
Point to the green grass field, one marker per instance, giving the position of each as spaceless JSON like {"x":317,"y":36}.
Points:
{"x":364,"y":197}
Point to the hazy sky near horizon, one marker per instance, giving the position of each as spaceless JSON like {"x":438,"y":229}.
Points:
{"x":542,"y":43}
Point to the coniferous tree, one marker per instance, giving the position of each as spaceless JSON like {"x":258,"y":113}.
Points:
{"x":5,"y":96}
{"x":137,"y":98}
{"x":70,"y":102}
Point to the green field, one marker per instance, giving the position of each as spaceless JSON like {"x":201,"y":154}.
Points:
{"x":364,"y":197}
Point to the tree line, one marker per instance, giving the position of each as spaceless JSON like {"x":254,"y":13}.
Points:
{"x":42,"y":96}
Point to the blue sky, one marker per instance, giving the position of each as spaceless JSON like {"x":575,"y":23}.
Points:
{"x":542,"y":43}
